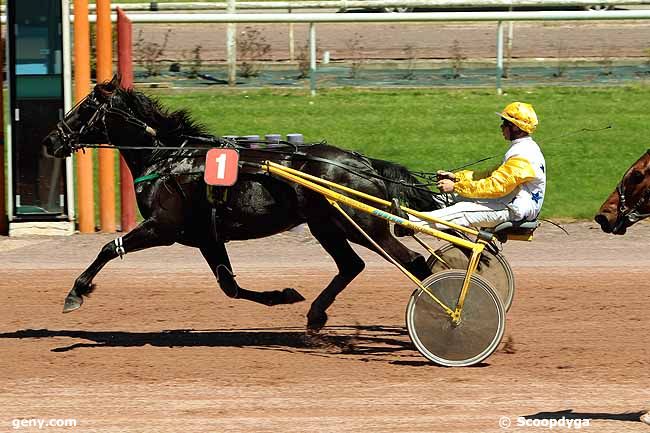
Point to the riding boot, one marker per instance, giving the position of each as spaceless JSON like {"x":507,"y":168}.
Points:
{"x":399,"y":230}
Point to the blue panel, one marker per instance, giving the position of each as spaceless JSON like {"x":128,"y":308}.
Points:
{"x":38,"y":37}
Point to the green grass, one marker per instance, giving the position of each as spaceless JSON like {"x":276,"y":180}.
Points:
{"x":444,"y":129}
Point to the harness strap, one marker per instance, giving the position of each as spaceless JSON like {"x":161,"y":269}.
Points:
{"x":151,"y":176}
{"x":368,"y":175}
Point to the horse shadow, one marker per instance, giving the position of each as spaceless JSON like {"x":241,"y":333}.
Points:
{"x":570,"y":414}
{"x":376,"y":343}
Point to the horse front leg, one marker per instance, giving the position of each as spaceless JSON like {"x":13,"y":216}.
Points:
{"x":149,"y":233}
{"x":217,"y":257}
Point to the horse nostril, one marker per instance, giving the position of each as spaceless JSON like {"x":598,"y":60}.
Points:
{"x":604,"y":223}
{"x":45,"y":152}
{"x":52,"y":147}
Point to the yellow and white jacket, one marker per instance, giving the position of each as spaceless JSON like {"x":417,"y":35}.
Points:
{"x":519,"y":183}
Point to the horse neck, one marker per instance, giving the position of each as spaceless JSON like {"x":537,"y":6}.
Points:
{"x":122,"y":138}
{"x":139,"y":160}
{"x":122,"y":134}
{"x":134,"y":160}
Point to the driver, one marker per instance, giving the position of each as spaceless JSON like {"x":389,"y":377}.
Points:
{"x":512,"y":192}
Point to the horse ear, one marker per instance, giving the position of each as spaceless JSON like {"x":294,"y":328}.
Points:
{"x":107,"y":88}
{"x":116,"y":81}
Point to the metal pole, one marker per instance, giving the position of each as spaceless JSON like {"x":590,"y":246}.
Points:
{"x":160,"y":18}
{"x":232,"y":47}
{"x":67,"y":101}
{"x":292,"y":52}
{"x":362,"y":4}
{"x":511,"y":31}
{"x":85,"y":194}
{"x":312,"y":58}
{"x":499,"y":56}
{"x":4,"y":222}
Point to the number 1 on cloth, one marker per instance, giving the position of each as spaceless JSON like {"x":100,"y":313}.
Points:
{"x":221,"y":167}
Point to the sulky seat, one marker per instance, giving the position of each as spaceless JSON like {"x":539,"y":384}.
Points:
{"x":514,"y":230}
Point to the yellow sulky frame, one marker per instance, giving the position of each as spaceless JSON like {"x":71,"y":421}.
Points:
{"x":326,"y":188}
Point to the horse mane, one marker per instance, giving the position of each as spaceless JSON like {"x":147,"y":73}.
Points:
{"x":170,"y":126}
{"x":415,"y":198}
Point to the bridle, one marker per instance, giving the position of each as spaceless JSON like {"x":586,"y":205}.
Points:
{"x":71,"y":139}
{"x":633,"y":213}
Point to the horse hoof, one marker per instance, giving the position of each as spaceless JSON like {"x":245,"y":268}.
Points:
{"x":291,"y":296}
{"x":72,"y":302}
{"x":316,"y":322}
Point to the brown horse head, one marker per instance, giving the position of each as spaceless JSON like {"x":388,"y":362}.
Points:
{"x":630,"y":201}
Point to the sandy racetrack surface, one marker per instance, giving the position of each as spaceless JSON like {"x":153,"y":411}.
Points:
{"x":380,"y":41}
{"x":159,"y":348}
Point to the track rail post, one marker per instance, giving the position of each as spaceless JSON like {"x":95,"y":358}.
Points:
{"x":85,"y":194}
{"x":125,"y":68}
{"x":106,"y":156}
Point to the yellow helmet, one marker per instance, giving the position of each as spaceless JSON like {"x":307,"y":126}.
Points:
{"x":522,"y":115}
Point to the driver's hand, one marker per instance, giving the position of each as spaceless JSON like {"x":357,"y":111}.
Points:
{"x":441,"y":174}
{"x":445,"y":185}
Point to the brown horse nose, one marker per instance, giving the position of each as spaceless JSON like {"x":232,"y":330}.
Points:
{"x":604,"y":223}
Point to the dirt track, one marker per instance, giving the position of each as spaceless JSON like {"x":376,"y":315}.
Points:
{"x":378,"y":41}
{"x":158,"y":347}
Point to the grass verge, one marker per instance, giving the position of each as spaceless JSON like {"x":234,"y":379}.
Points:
{"x":444,"y":129}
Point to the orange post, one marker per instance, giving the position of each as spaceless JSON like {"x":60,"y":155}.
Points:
{"x":125,"y":68}
{"x":106,"y":156}
{"x":85,"y":195}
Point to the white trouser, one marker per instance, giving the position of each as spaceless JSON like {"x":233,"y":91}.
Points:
{"x":469,"y":213}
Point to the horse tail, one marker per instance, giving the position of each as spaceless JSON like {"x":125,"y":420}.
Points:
{"x":417,"y":198}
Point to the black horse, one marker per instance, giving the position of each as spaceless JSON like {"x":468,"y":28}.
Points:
{"x":173,"y":197}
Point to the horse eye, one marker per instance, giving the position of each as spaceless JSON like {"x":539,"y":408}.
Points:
{"x":636,"y":177}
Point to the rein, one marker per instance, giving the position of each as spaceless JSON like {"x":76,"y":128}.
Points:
{"x":289,"y":150}
{"x":431,"y":176}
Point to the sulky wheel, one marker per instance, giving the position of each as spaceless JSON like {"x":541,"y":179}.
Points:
{"x":438,"y":339}
{"x":492,"y":266}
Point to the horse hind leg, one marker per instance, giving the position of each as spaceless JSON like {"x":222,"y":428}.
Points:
{"x":217,"y":257}
{"x":379,"y":231}
{"x":413,"y":262}
{"x":349,"y":264}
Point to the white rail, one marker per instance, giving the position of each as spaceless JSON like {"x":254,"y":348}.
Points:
{"x":163,"y":18}
{"x":360,"y":4}
{"x":366,"y":4}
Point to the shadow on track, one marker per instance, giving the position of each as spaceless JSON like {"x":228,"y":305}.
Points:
{"x":570,"y":414}
{"x":372,"y":343}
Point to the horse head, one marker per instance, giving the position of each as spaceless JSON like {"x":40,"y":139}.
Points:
{"x":82,"y":124}
{"x":630,"y":201}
